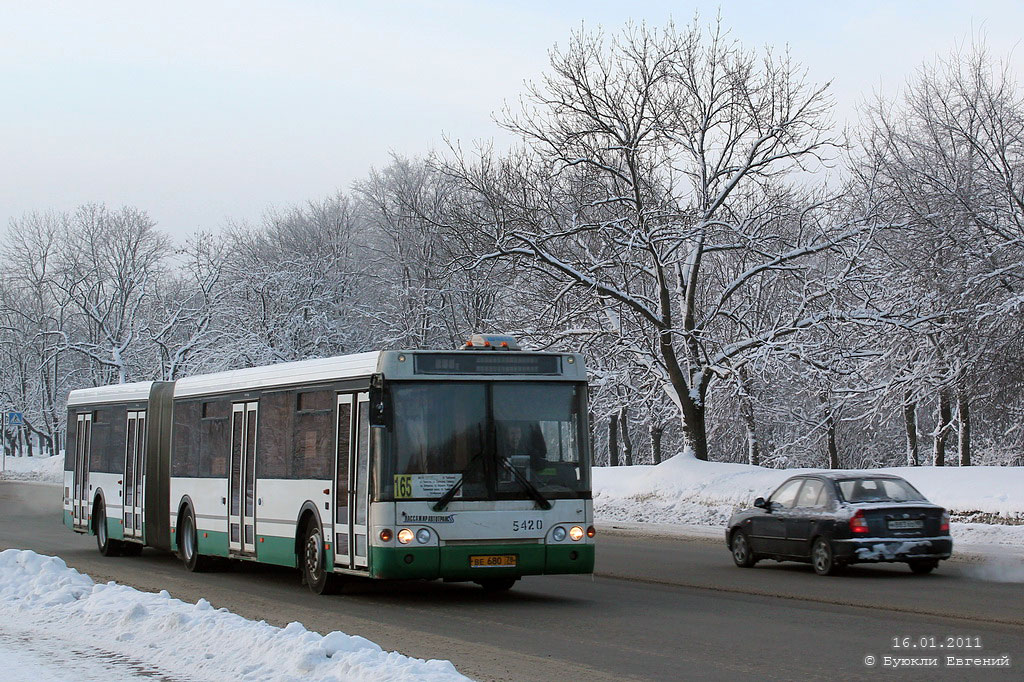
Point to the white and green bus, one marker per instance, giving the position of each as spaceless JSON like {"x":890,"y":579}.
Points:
{"x":468,"y":465}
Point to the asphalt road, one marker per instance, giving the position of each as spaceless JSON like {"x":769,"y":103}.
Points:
{"x":657,"y":608}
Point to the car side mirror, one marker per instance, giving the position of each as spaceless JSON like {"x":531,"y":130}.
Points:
{"x":761,"y":504}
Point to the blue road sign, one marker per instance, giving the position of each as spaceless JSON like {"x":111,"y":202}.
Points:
{"x":15,"y":418}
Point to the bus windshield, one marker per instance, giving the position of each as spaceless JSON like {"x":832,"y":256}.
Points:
{"x":496,"y":439}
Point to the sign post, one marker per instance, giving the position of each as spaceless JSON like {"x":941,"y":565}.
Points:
{"x":15,"y":419}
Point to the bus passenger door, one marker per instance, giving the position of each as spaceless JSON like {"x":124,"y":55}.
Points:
{"x":342,"y":531}
{"x":80,"y":504}
{"x":242,"y":479}
{"x":134,"y":467}
{"x":351,"y":481}
{"x":360,"y":481}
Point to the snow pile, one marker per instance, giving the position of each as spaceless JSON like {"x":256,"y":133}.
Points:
{"x":41,"y":598}
{"x":44,"y":469}
{"x":685,"y":490}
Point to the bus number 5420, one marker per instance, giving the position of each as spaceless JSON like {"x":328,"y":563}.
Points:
{"x":528,"y":524}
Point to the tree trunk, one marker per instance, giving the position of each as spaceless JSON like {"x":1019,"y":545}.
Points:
{"x":613,"y":440}
{"x":627,"y":444}
{"x":830,"y":431}
{"x":942,"y":429}
{"x":695,"y":434}
{"x":963,"y":416}
{"x":656,"y":431}
{"x":747,"y":417}
{"x":910,"y":422}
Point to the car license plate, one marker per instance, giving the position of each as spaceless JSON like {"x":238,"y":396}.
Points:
{"x":905,"y":525}
{"x":493,"y":561}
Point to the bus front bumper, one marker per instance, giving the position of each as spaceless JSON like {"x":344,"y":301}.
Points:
{"x":453,"y":562}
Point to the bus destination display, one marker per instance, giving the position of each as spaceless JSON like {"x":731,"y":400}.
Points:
{"x":488,"y":363}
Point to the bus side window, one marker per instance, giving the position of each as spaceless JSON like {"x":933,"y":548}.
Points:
{"x":214,"y":442}
{"x":274,"y":442}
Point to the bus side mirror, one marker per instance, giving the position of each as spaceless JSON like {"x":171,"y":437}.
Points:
{"x":378,"y":402}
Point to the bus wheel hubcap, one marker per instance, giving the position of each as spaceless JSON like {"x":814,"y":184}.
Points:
{"x":313,"y":555}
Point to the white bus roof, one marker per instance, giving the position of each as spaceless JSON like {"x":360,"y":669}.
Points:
{"x":115,"y":393}
{"x":285,"y":373}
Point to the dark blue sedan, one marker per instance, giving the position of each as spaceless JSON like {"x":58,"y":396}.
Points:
{"x":839,"y":518}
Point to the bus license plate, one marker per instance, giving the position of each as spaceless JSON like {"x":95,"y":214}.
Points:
{"x":904,"y":525}
{"x":493,"y":561}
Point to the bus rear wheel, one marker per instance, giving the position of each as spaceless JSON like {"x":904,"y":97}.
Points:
{"x":188,"y":544}
{"x":104,"y":543}
{"x":314,"y":562}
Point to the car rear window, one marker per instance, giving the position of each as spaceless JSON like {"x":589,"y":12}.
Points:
{"x":879,"y":490}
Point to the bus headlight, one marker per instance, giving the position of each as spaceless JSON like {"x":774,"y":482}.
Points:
{"x":385,"y":535}
{"x":405,"y":536}
{"x":423,"y":536}
{"x":576,"y":533}
{"x":558,"y":534}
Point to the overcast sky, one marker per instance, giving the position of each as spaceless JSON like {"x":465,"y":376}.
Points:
{"x":205,"y":112}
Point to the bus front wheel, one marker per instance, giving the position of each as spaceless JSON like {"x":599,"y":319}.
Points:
{"x":314,"y":562}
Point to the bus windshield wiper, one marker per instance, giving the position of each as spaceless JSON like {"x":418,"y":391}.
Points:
{"x":530,"y":488}
{"x":443,"y":501}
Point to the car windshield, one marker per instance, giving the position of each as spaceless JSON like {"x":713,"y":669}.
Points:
{"x":497,"y":440}
{"x":878,"y":490}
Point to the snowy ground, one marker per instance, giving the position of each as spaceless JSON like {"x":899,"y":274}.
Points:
{"x":44,"y":469}
{"x":686,"y":493}
{"x":54,"y":619}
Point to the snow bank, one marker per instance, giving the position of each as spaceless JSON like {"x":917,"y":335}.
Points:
{"x":40,"y":597}
{"x":44,"y":469}
{"x":685,"y":490}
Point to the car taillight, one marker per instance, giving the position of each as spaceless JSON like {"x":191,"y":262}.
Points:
{"x":944,"y":525}
{"x":858,"y":524}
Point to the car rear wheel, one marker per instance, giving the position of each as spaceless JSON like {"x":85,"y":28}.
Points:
{"x":741,"y":553}
{"x":923,"y":566}
{"x":822,"y":558}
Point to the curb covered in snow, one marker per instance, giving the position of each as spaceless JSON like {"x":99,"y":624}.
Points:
{"x":41,"y":596}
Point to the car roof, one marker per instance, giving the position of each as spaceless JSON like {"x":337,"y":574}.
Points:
{"x":844,"y":475}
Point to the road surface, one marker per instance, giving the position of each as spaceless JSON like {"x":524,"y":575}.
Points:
{"x":656,"y":609}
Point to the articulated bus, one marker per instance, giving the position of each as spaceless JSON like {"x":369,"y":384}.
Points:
{"x":466,"y":465}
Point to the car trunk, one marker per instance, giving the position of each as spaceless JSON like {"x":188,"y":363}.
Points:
{"x":902,"y":521}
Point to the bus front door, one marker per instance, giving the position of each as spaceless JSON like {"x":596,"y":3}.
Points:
{"x":134,"y":467}
{"x":351,"y":481}
{"x":242,"y":479}
{"x":80,"y":503}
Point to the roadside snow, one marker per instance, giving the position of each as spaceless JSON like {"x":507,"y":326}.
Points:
{"x":139,"y":634}
{"x":44,"y":469}
{"x":686,"y":491}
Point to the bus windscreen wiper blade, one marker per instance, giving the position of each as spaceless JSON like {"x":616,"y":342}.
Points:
{"x":530,"y":488}
{"x":443,"y":501}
